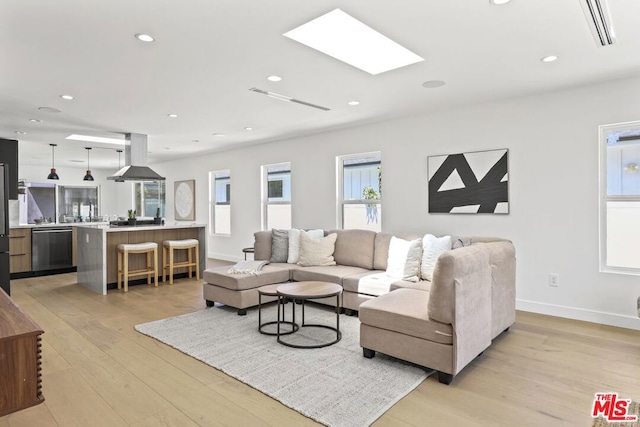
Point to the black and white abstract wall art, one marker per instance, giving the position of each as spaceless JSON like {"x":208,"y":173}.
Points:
{"x":474,"y":182}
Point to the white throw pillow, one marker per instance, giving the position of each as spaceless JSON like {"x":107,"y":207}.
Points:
{"x":317,"y":251}
{"x":403,"y":262}
{"x":432,"y":248}
{"x":294,"y":243}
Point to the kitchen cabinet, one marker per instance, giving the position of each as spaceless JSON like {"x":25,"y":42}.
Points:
{"x":20,"y":250}
{"x":20,"y":358}
{"x":74,"y":242}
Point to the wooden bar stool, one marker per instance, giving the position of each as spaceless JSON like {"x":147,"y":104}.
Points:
{"x":150,"y":249}
{"x":171,"y":245}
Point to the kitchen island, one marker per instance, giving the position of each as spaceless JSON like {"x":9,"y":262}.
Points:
{"x":97,"y":249}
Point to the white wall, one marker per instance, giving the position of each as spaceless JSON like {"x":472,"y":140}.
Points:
{"x":553,"y":158}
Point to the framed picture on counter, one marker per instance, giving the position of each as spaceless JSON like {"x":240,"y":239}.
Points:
{"x":184,"y":200}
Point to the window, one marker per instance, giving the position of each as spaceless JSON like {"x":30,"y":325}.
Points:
{"x":620,"y":198}
{"x":149,"y":197}
{"x":220,"y":202}
{"x":276,"y":196}
{"x":360,"y":191}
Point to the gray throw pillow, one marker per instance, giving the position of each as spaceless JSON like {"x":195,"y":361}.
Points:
{"x":279,"y":245}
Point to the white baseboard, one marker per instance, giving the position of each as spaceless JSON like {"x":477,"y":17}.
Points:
{"x":225,"y":257}
{"x":610,"y":319}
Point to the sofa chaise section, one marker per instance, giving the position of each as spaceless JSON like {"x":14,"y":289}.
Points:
{"x":469,"y":298}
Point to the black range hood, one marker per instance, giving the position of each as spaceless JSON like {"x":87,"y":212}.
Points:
{"x":135,"y":156}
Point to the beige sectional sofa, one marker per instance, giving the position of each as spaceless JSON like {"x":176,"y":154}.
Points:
{"x":442,"y":324}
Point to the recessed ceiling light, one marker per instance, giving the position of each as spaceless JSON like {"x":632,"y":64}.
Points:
{"x":353,"y":103}
{"x":218,"y":134}
{"x":248,"y":128}
{"x":499,"y":2}
{"x":144,"y":37}
{"x":343,"y":37}
{"x":19,"y":132}
{"x":76,"y":161}
{"x":173,"y":116}
{"x":101,"y":139}
{"x":35,"y":120}
{"x":550,"y":58}
{"x":67,"y":97}
{"x":49,"y":110}
{"x":274,"y":78}
{"x":432,"y":84}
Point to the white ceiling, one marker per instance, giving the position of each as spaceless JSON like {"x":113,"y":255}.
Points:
{"x":207,"y":54}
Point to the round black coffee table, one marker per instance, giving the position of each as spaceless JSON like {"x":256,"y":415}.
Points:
{"x":304,"y":291}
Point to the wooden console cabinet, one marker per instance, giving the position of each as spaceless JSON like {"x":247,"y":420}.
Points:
{"x":20,"y":358}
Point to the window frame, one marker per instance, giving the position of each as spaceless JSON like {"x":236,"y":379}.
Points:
{"x":340,"y":202}
{"x":213,"y":199}
{"x":604,"y":197}
{"x":264,"y":173}
{"x":141,"y":213}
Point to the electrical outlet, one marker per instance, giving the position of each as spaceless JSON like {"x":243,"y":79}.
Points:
{"x":87,"y":238}
{"x":554,"y":280}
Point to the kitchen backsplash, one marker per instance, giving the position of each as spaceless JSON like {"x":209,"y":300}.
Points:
{"x":14,"y":213}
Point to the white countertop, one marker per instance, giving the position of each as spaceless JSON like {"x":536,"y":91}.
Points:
{"x":63,"y":224}
{"x":115,"y":229}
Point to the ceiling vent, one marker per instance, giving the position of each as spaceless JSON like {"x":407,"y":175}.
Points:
{"x":287,"y":98}
{"x":599,"y":21}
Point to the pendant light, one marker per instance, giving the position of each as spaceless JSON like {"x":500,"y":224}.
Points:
{"x":88,"y":176}
{"x":119,"y":165}
{"x":53,"y":174}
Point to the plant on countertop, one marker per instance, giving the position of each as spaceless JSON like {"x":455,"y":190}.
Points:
{"x":132,"y":214}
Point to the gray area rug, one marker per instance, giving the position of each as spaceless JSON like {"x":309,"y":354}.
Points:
{"x":334,"y":385}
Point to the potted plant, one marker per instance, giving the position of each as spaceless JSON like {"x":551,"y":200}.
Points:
{"x":132,"y":217}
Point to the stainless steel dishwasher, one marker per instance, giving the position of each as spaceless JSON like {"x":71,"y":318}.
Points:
{"x":51,"y":248}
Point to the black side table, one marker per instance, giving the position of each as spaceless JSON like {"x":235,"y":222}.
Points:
{"x":247,"y":251}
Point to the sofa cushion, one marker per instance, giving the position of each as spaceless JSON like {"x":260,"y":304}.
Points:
{"x":404,"y":259}
{"x":279,"y":245}
{"x":381,"y":250}
{"x":354,"y":248}
{"x":317,"y":251}
{"x":370,"y":282}
{"x":262,"y":245}
{"x":269,"y":275}
{"x":404,"y":311}
{"x":422,"y":285}
{"x":333,"y":274}
{"x":294,"y":243}
{"x":432,"y":248}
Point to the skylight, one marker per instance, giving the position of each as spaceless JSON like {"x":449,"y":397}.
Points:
{"x":101,"y":139}
{"x":343,"y":37}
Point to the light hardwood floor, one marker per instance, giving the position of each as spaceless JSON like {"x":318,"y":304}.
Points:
{"x":98,"y":371}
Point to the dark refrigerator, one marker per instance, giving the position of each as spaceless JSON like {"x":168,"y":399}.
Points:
{"x":4,"y":229}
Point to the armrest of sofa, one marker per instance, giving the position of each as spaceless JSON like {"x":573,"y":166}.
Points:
{"x":461,"y":296}
{"x":502,"y":259}
{"x":451,"y":265}
{"x":262,"y":245}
